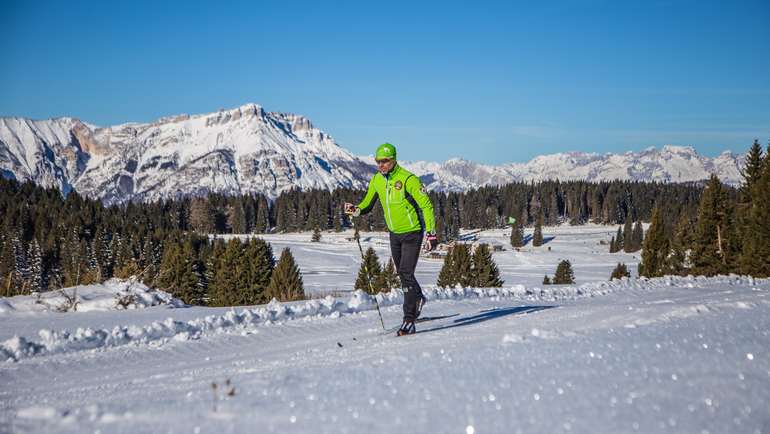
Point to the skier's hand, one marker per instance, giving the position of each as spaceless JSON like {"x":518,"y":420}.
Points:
{"x":431,"y":241}
{"x":352,"y":210}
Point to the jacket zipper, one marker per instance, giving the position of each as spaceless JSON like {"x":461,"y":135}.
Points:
{"x":387,"y":199}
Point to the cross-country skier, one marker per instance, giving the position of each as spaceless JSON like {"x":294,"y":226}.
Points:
{"x":408,"y":213}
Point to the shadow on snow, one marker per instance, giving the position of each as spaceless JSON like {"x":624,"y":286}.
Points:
{"x":486,"y":315}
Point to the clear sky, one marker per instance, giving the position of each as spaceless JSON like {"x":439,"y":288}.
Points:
{"x":491,"y":82}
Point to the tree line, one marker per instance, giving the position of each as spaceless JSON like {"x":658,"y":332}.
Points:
{"x":48,"y":240}
{"x":729,"y":234}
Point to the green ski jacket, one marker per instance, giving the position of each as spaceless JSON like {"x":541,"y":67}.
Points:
{"x":405,"y":203}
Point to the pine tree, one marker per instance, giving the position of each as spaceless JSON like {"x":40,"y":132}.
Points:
{"x":754,"y":214}
{"x":537,"y":237}
{"x":619,"y":241}
{"x":389,"y":277}
{"x":35,"y":270}
{"x":236,"y":217}
{"x":564,"y":273}
{"x":613,"y":246}
{"x":463,"y":265}
{"x":486,"y":274}
{"x":286,"y":280}
{"x":446,"y":277}
{"x":637,"y":236}
{"x":655,"y":249}
{"x":628,"y":241}
{"x":316,"y":235}
{"x":710,"y":253}
{"x":201,"y":215}
{"x":620,"y":272}
{"x":254,"y":269}
{"x":369,"y":273}
{"x":678,"y":260}
{"x":546,"y":280}
{"x":517,"y":235}
{"x":179,"y":275}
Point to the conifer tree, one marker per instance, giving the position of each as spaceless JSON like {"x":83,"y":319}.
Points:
{"x":613,"y":247}
{"x":620,"y":272}
{"x":389,"y":277}
{"x":446,"y":277}
{"x":254,"y":268}
{"x":316,"y":235}
{"x":619,"y":241}
{"x":754,"y":214}
{"x":201,"y":215}
{"x":463,"y":265}
{"x":711,"y":249}
{"x":485,"y":272}
{"x":678,"y":259}
{"x":369,"y":273}
{"x":564,"y":273}
{"x":517,"y":235}
{"x":546,"y":280}
{"x":537,"y":237}
{"x":35,"y":268}
{"x":637,"y":236}
{"x":655,"y":249}
{"x":236,"y":217}
{"x":628,"y":241}
{"x":177,"y":274}
{"x":286,"y":279}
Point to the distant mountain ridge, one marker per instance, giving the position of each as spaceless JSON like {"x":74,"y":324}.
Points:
{"x":249,"y":150}
{"x":670,"y":164}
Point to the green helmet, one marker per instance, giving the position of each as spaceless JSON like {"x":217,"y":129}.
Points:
{"x":385,"y":150}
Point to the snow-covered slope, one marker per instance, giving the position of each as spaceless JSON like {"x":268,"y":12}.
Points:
{"x":664,"y":355}
{"x":249,"y":150}
{"x":242,"y":150}
{"x":669,"y":164}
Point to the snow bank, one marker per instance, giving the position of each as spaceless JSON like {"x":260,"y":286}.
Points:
{"x":55,"y":342}
{"x":114,"y":294}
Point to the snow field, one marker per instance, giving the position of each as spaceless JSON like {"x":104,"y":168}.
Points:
{"x":667,"y":355}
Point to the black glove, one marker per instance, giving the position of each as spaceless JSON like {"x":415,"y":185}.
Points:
{"x":431,"y":241}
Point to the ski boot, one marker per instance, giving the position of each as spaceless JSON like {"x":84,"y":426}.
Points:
{"x":407,"y":328}
{"x":420,"y":303}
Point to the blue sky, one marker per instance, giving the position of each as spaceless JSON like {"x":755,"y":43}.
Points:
{"x":491,"y":82}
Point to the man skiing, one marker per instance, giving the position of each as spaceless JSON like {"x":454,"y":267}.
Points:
{"x":408,"y":213}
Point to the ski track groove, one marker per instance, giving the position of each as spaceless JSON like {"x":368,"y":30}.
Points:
{"x":275,"y":364}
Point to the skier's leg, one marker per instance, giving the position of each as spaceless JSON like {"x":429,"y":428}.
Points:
{"x":410,"y":252}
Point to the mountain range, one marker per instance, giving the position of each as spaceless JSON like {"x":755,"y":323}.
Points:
{"x":250,"y":150}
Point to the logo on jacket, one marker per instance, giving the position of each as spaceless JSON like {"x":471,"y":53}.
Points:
{"x":398,"y":185}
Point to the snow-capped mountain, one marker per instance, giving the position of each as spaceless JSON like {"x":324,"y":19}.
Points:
{"x":234,"y":151}
{"x":670,"y":164}
{"x":249,"y":150}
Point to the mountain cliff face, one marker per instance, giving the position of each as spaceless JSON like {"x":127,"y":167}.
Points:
{"x":243,"y":150}
{"x":249,"y":150}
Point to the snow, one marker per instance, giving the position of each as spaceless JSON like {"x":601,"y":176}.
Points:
{"x":672,"y":354}
{"x":97,"y":297}
{"x":249,"y":150}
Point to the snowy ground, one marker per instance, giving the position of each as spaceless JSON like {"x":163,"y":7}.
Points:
{"x":328,"y":265}
{"x":679,"y":355}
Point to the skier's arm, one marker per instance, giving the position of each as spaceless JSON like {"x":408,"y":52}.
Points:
{"x":367,"y":203}
{"x":415,"y":189}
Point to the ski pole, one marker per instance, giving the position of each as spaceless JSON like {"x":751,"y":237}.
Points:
{"x":369,"y":279}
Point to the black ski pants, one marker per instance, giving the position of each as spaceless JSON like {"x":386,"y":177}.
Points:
{"x":405,"y":249}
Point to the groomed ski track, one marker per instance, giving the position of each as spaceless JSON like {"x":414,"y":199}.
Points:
{"x":665,"y":355}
